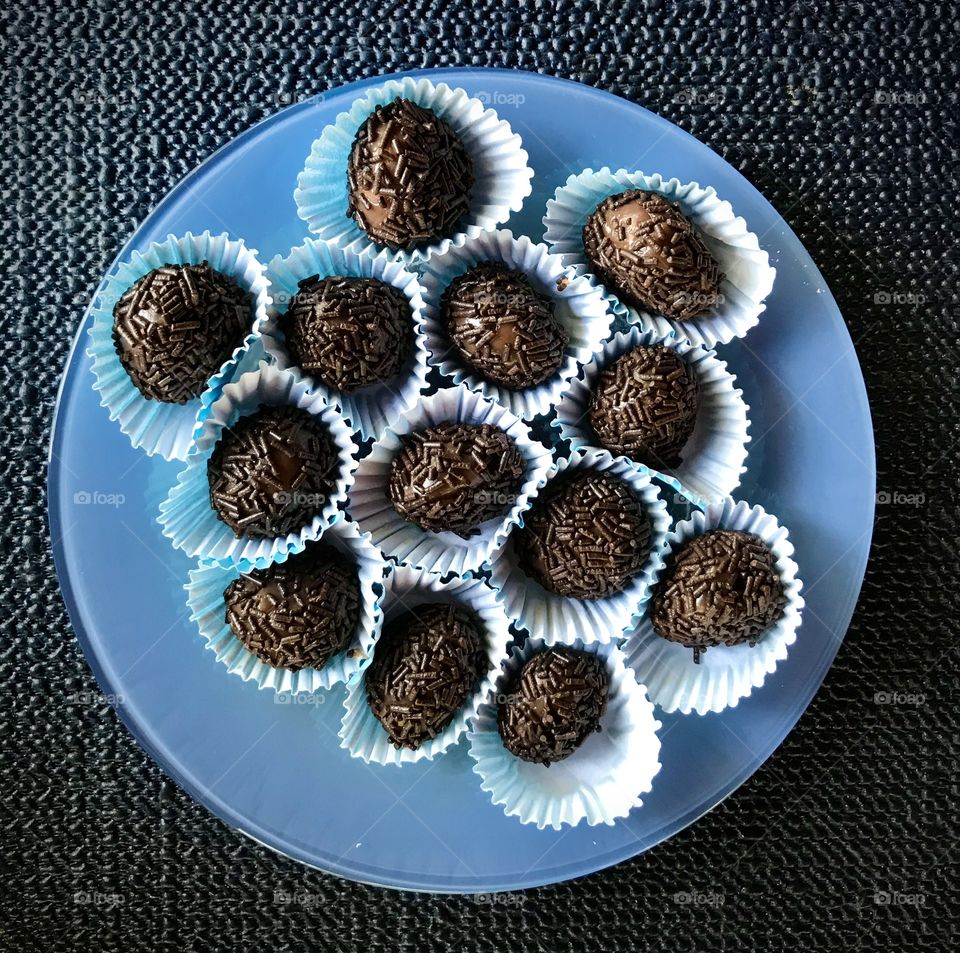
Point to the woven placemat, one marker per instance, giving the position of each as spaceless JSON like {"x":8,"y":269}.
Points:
{"x":843,"y":115}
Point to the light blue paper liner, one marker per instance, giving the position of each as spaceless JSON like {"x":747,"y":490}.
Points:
{"x":713,"y":458}
{"x":546,"y":614}
{"x":500,"y":167}
{"x":186,"y":516}
{"x":603,"y":780}
{"x":725,"y":674}
{"x":579,"y":308}
{"x":207,"y":608}
{"x":152,"y":425}
{"x":369,"y":409}
{"x":405,"y":589}
{"x":444,"y":552}
{"x":749,"y":275}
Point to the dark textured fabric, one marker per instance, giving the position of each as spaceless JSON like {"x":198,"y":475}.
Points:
{"x":844,"y":116}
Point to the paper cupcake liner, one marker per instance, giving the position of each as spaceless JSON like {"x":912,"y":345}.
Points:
{"x":604,"y":779}
{"x":152,"y":425}
{"x":443,"y":552}
{"x":369,"y":409}
{"x":186,"y":516}
{"x":713,"y":458}
{"x":749,"y":274}
{"x":405,"y":589}
{"x":579,"y":308}
{"x":725,"y":674}
{"x":207,"y":608}
{"x":546,"y":614}
{"x":500,"y":167}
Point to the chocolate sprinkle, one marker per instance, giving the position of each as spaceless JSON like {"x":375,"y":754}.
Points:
{"x":644,"y":405}
{"x":299,"y":613}
{"x":585,"y":536}
{"x":648,"y":252}
{"x":175,"y":327}
{"x":502,"y":327}
{"x":426,"y":664}
{"x":272,"y":472}
{"x":721,"y":588}
{"x":553,"y":705}
{"x":348,"y":332}
{"x":455,"y":477}
{"x":408,"y":176}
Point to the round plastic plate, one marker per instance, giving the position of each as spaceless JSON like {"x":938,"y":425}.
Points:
{"x":275,"y":771}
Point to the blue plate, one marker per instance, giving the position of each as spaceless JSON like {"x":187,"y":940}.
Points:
{"x":274,"y":771}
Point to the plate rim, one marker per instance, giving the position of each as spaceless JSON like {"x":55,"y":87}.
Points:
{"x":351,"y":870}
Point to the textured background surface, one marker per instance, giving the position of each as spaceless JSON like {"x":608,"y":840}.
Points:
{"x":844,"y":116}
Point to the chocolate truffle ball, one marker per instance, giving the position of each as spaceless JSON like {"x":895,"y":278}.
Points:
{"x":645,"y":250}
{"x":644,"y":405}
{"x":299,"y":613}
{"x":455,"y":477}
{"x":721,"y":588}
{"x":272,"y":472}
{"x":426,"y":664}
{"x":553,"y":705}
{"x":585,"y":536}
{"x":348,"y":332}
{"x":408,"y":176}
{"x":502,"y":327}
{"x":174,"y":328}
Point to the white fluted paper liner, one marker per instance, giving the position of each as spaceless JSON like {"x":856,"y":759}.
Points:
{"x":151,"y":425}
{"x":208,"y":609}
{"x":748,"y":273}
{"x":186,"y":515}
{"x":500,"y":167}
{"x":713,"y":458}
{"x":442,"y":552}
{"x":725,"y":674}
{"x":546,"y":614}
{"x":369,"y":409}
{"x":405,"y":589}
{"x":579,"y":308}
{"x":604,"y":779}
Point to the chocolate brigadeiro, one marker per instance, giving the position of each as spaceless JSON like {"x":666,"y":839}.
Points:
{"x":553,"y":705}
{"x":455,"y":477}
{"x":585,"y":536}
{"x":721,"y":588}
{"x":408,"y":176}
{"x":426,"y":664}
{"x":272,"y":472}
{"x":174,"y":328}
{"x":299,"y":613}
{"x":348,"y":332}
{"x":644,"y":405}
{"x":502,"y":327}
{"x":646,"y":250}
